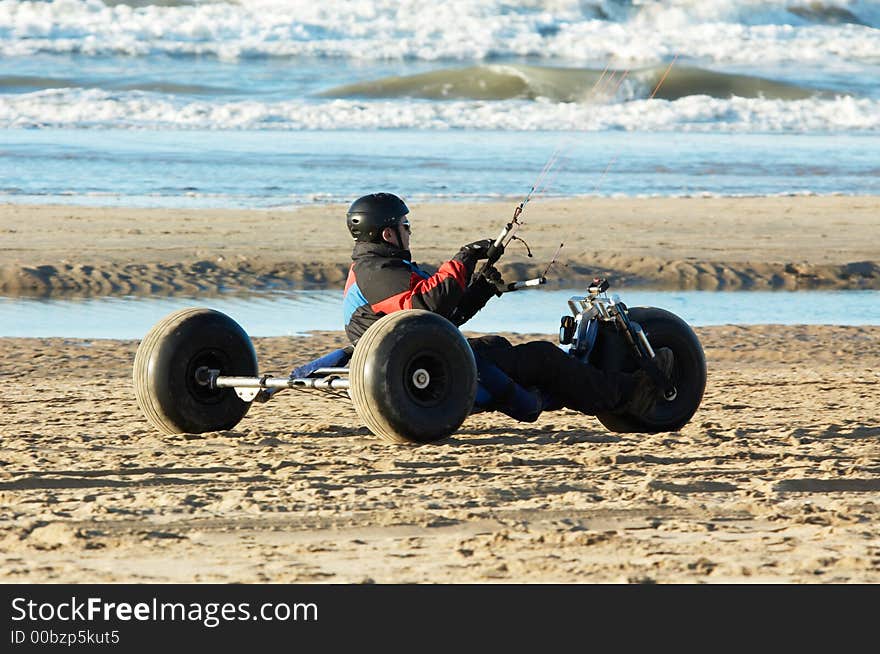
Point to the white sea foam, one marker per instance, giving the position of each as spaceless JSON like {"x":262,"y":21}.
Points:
{"x":743,"y":31}
{"x":79,"y":108}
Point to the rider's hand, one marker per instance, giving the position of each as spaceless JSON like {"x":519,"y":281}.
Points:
{"x":480,"y":249}
{"x":493,"y":277}
{"x":477,"y":294}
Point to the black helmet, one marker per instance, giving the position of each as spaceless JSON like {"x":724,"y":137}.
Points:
{"x":369,"y":215}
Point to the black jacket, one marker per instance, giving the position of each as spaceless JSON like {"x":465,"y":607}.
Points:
{"x":383,"y":280}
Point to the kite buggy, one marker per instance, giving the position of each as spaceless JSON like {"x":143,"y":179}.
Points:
{"x":412,"y":377}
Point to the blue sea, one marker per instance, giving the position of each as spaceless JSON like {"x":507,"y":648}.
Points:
{"x":271,"y":103}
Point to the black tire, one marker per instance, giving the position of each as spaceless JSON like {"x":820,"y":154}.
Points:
{"x":664,"y":329}
{"x":385,"y":387}
{"x":164,"y":371}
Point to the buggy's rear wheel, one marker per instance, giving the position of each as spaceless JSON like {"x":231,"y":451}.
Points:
{"x":413,"y":377}
{"x":169,"y":367}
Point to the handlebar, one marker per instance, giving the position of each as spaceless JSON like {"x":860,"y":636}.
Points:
{"x":497,"y":248}
{"x":494,"y":253}
{"x":526,"y":283}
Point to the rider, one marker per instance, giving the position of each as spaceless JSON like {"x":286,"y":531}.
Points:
{"x":384,"y":279}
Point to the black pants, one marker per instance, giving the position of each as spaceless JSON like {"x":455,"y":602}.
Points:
{"x":541,"y":364}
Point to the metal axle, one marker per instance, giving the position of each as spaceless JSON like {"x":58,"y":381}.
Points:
{"x":247,"y":388}
{"x":280,"y":382}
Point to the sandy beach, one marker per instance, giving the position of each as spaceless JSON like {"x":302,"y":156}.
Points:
{"x":775,"y":480}
{"x":692,"y":243}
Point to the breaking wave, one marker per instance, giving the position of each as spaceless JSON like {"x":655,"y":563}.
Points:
{"x":624,"y":30}
{"x":509,"y":81}
{"x":78,"y":108}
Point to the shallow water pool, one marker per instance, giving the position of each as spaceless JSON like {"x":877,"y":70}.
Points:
{"x":536,"y":311}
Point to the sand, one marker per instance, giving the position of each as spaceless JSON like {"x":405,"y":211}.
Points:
{"x":776,"y":479}
{"x":690,"y":243}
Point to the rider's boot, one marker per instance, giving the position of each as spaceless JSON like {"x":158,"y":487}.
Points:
{"x":646,"y":393}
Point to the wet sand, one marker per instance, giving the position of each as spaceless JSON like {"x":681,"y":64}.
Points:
{"x":690,"y":243}
{"x":776,"y":479}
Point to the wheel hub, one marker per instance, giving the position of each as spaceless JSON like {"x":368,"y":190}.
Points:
{"x":199,"y":372}
{"x":203,"y":376}
{"x":426,"y":378}
{"x":421,"y":378}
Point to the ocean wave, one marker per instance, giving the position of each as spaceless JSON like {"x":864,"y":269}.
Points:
{"x":78,"y":108}
{"x":725,"y":31}
{"x":512,"y":81}
{"x":24,"y":83}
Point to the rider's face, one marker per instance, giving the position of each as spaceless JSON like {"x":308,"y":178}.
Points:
{"x":405,"y":231}
{"x":390,"y":234}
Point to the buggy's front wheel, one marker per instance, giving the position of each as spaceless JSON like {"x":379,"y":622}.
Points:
{"x":665,"y":329}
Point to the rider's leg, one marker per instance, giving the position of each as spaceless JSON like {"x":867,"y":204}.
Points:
{"x":578,"y":385}
{"x":508,"y":397}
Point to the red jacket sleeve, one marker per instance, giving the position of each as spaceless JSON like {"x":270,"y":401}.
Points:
{"x":440,"y":293}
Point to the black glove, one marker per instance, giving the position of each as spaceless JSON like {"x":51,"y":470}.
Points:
{"x":480,"y":249}
{"x":493,"y":277}
{"x":477,"y":295}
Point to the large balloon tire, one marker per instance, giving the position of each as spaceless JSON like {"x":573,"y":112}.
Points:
{"x":665,"y":329}
{"x":165,"y":365}
{"x":386,"y":385}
